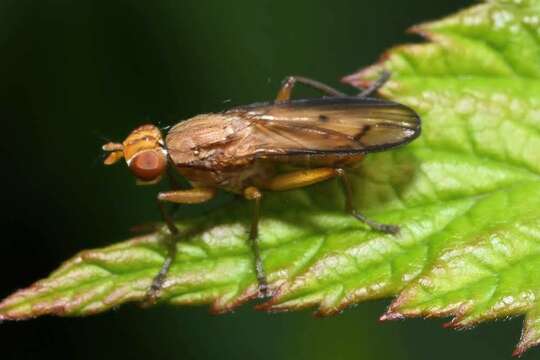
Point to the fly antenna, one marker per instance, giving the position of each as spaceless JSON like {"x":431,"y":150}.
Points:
{"x":112,"y":146}
{"x":116,"y":151}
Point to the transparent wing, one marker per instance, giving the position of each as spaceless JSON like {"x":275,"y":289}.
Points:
{"x":327,"y":125}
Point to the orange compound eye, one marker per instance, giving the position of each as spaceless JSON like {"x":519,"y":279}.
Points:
{"x":148,"y":165}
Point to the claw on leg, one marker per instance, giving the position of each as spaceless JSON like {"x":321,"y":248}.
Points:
{"x":384,"y":228}
{"x":152,"y":295}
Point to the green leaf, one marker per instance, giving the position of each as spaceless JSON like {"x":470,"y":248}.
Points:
{"x":477,"y":88}
{"x":466,"y":195}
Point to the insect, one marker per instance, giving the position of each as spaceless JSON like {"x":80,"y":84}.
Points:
{"x":237,"y":150}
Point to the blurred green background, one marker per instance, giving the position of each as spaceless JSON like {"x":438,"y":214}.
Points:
{"x":73,"y":72}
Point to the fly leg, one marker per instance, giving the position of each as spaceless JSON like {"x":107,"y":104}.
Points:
{"x":376,"y":85}
{"x":191,"y":196}
{"x":254,"y":194}
{"x":349,"y":207}
{"x":300,"y":178}
{"x":279,"y":183}
{"x":284,"y":94}
{"x":303,"y":178}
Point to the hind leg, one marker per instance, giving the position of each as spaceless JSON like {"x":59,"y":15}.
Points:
{"x":301,"y":178}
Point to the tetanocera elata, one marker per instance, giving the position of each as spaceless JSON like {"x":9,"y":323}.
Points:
{"x":238,"y":150}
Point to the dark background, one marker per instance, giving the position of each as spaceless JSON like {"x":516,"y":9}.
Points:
{"x":75,"y":71}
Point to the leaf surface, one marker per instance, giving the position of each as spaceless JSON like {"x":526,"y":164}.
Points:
{"x":466,"y":195}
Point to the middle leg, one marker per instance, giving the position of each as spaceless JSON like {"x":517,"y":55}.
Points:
{"x":191,"y":196}
{"x":282,"y":182}
{"x":255,"y":195}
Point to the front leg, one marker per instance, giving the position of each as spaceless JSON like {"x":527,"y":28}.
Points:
{"x":191,"y":196}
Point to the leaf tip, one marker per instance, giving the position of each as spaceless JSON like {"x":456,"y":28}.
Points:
{"x":364,"y":77}
{"x":391,"y":315}
{"x":525,"y":343}
{"x":452,"y":324}
{"x":224,"y":305}
{"x":271,"y":306}
{"x":421,"y":30}
{"x":520,"y":350}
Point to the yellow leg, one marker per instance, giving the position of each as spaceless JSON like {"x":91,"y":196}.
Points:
{"x":191,"y":196}
{"x":298,"y":179}
{"x":301,"y":178}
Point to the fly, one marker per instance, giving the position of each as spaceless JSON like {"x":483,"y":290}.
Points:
{"x":238,"y":150}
